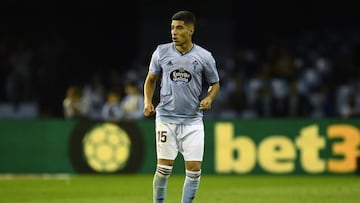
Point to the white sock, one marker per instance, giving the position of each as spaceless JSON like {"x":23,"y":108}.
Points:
{"x":160,"y":182}
{"x":191,"y":185}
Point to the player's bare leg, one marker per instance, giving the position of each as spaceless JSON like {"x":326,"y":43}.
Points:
{"x":192,"y":181}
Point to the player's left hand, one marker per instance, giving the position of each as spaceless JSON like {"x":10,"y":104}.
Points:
{"x":205,"y":104}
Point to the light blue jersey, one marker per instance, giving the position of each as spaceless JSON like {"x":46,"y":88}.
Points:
{"x":181,"y":82}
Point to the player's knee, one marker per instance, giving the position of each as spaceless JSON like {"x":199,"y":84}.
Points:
{"x":193,"y":165}
{"x":163,"y":170}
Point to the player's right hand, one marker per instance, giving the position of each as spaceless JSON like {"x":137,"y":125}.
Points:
{"x":149,"y":110}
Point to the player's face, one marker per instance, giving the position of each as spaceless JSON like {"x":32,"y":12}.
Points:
{"x":180,"y":32}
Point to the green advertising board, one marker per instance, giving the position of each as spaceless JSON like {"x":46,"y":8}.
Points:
{"x":261,"y":146}
{"x":35,"y":146}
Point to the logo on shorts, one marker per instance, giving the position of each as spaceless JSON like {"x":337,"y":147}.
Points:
{"x":180,"y":76}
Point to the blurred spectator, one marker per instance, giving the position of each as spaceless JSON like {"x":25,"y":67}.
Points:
{"x":111,"y":110}
{"x":284,"y":64}
{"x":348,"y":101}
{"x":279,"y":97}
{"x":94,"y":94}
{"x":132,"y":104}
{"x":74,"y":105}
{"x":299,"y":104}
{"x":18,"y":81}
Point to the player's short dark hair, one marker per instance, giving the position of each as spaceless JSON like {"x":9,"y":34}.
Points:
{"x":187,"y":16}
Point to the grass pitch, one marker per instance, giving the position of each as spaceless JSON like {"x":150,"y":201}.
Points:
{"x":213,"y":189}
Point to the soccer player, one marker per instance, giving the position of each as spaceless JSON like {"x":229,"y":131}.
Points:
{"x":181,"y":65}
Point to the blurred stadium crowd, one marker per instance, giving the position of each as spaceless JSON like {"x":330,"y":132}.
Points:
{"x":312,"y":73}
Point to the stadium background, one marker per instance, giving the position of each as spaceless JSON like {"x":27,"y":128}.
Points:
{"x":71,"y":42}
{"x":98,"y":37}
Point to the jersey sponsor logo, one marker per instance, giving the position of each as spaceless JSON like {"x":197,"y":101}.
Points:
{"x":180,"y":76}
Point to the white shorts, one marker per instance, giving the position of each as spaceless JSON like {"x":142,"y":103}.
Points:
{"x":174,"y":138}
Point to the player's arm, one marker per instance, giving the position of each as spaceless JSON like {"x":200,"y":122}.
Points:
{"x":149,"y":88}
{"x":205,"y":104}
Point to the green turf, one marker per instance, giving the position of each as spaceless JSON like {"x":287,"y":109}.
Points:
{"x":213,"y":189}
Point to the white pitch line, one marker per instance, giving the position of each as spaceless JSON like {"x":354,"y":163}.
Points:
{"x":44,"y":176}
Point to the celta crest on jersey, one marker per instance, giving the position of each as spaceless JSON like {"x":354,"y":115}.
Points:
{"x":180,"y":76}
